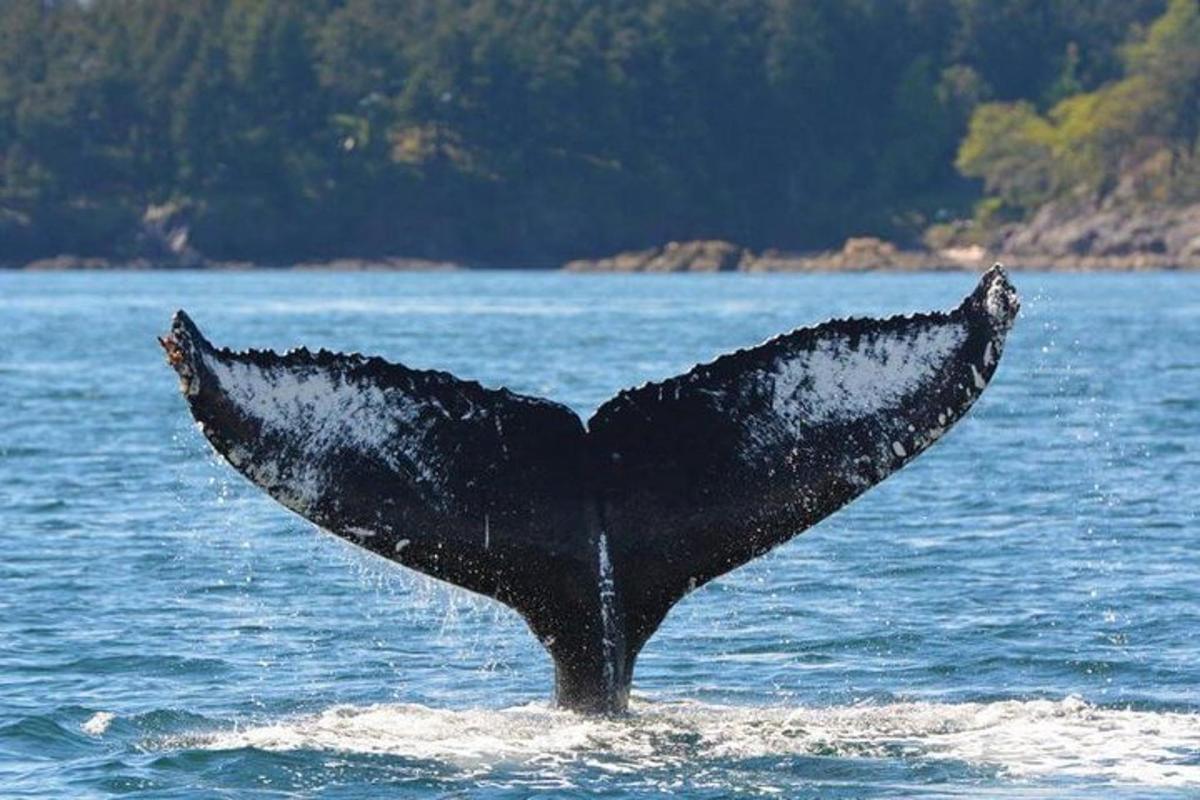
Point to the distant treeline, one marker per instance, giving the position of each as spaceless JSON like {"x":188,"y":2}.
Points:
{"x":531,"y":130}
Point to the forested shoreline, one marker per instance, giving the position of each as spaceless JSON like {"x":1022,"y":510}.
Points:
{"x":537,"y":131}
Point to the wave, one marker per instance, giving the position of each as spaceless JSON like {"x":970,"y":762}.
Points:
{"x":1021,"y":739}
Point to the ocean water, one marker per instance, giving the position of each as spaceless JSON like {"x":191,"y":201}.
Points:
{"x":1015,"y":614}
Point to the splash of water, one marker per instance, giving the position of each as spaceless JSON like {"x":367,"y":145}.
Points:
{"x":1019,"y":739}
{"x":97,"y":724}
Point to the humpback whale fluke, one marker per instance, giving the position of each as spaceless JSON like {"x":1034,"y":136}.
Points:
{"x":592,"y":533}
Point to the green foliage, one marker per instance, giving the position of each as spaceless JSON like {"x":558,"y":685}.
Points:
{"x":1167,"y":63}
{"x":533,"y":130}
{"x":1135,"y":137}
{"x":1012,"y":149}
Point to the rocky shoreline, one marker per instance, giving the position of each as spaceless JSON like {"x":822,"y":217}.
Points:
{"x":867,"y":254}
{"x":906,"y":261}
{"x":653,"y":261}
{"x":1078,"y":238}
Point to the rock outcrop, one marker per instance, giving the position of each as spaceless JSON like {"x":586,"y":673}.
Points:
{"x":711,"y":255}
{"x":1104,"y":237}
{"x":1059,"y":237}
{"x":859,"y":254}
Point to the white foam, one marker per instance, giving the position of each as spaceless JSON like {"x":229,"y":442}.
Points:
{"x":98,"y":723}
{"x":1021,"y":739}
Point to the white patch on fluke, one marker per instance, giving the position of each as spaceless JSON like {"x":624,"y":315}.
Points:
{"x":835,"y":381}
{"x":320,"y":412}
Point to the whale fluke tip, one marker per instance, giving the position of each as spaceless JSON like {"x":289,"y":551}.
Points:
{"x":181,"y":321}
{"x":183,"y":330}
{"x":996,"y":296}
{"x":183,"y":344}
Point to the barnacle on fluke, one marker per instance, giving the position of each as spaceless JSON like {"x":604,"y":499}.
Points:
{"x":592,"y":533}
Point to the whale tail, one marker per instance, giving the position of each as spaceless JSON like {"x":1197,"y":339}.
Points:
{"x":592,"y":533}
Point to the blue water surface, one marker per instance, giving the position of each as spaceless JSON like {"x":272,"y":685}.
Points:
{"x":1015,"y":614}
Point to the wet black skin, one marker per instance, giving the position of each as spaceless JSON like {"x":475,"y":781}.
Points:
{"x":524,"y":491}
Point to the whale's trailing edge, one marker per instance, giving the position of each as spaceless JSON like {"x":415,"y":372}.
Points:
{"x":593,"y":533}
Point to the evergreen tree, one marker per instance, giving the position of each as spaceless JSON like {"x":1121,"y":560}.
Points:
{"x":529,"y":131}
